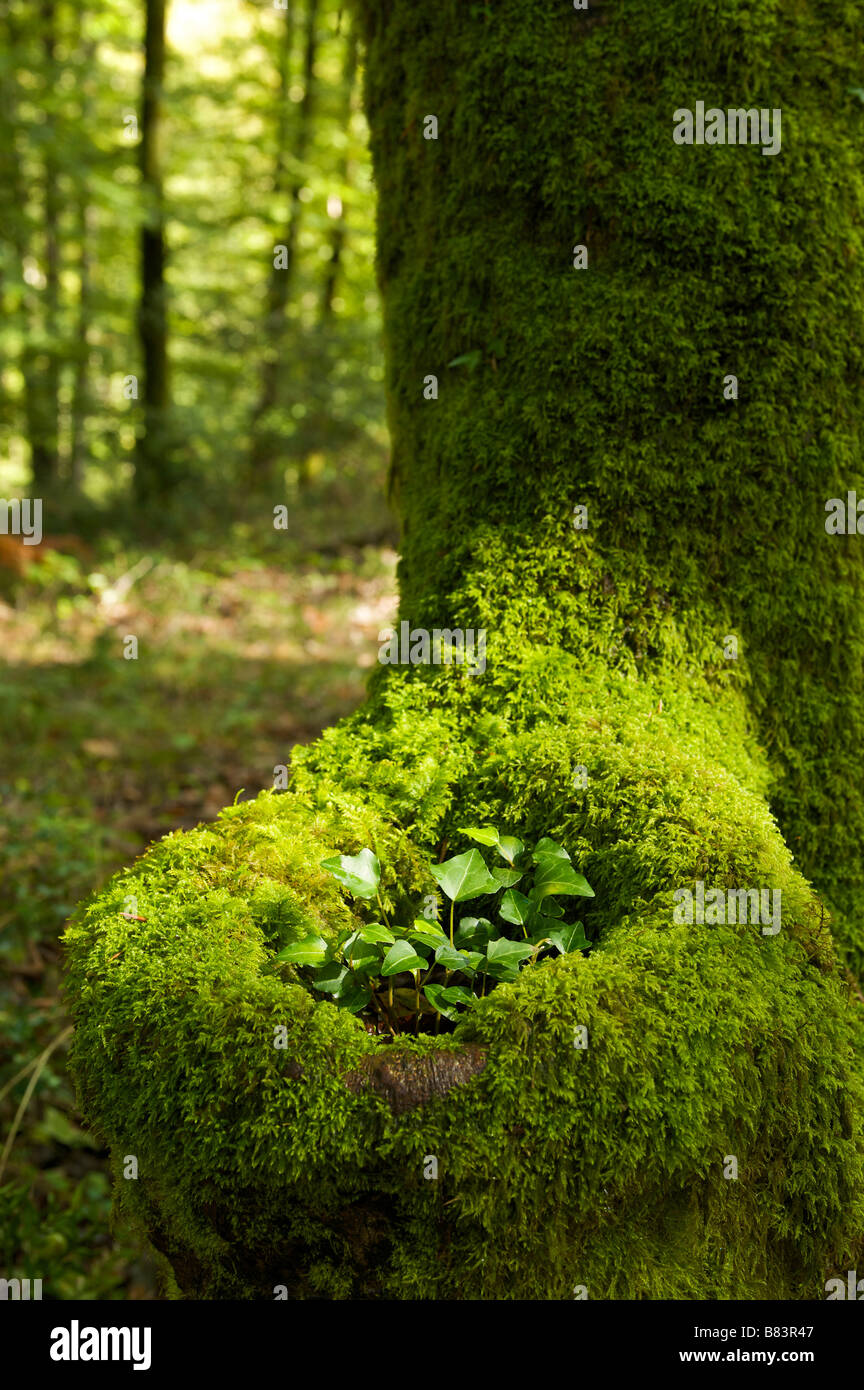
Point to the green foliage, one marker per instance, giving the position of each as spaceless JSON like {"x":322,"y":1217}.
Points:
{"x":71,"y":212}
{"x":360,"y":874}
{"x":353,"y":967}
{"x":464,"y":876}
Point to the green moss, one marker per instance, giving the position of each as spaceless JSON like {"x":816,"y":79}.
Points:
{"x":261,"y":1166}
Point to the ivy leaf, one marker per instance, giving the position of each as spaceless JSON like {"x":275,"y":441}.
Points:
{"x":506,"y":877}
{"x":357,"y":954}
{"x":570,"y":937}
{"x":376,"y":934}
{"x":549,"y":908}
{"x":556,"y":875}
{"x":473,"y":931}
{"x":426,"y":936}
{"x":483,"y":834}
{"x":546,"y":848}
{"x":507,"y":845}
{"x":311,"y":951}
{"x":457,"y":994}
{"x":504,"y":957}
{"x":433,"y":928}
{"x":510,"y":848}
{"x":435,"y":995}
{"x":333,"y":979}
{"x":516,"y":908}
{"x":355,"y":998}
{"x":465,"y":876}
{"x":466,"y":961}
{"x":360,"y":873}
{"x":446,"y":998}
{"x":402,"y":956}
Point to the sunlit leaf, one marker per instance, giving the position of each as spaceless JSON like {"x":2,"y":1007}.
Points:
{"x":570,"y":937}
{"x":375,"y":932}
{"x":427,"y":938}
{"x":465,"y":876}
{"x":483,"y":834}
{"x":510,"y":848}
{"x":547,"y":848}
{"x":402,"y":956}
{"x":447,"y":998}
{"x":555,"y":875}
{"x":311,"y":951}
{"x":359,"y":873}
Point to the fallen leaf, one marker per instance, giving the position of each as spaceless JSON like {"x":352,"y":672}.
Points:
{"x":100,"y":747}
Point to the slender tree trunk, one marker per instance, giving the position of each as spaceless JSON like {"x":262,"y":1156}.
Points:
{"x":155,"y":470}
{"x":10,"y":207}
{"x":37,"y":298}
{"x":337,"y":239}
{"x":80,"y":385}
{"x":265,"y":441}
{"x":46,"y":470}
{"x":80,"y":407}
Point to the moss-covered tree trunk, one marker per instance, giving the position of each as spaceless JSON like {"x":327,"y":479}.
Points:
{"x":674,"y":648}
{"x":606,"y":387}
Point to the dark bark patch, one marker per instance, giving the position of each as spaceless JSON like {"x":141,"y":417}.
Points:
{"x":596,"y":13}
{"x":405,"y":1081}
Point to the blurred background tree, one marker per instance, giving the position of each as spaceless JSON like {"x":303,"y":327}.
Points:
{"x":186,"y":253}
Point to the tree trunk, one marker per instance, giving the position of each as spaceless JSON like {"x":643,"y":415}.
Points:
{"x":338,"y":235}
{"x":45,"y":462}
{"x":81,"y":402}
{"x":34,"y":299}
{"x":599,"y":1099}
{"x":266,"y":442}
{"x":155,"y":468}
{"x":604,"y":387}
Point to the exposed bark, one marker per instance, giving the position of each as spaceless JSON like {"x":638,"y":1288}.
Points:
{"x":406,"y":1081}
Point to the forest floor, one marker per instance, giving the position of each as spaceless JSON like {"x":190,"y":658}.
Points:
{"x":245,"y":648}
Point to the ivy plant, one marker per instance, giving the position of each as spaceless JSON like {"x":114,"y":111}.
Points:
{"x":408,"y":976}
